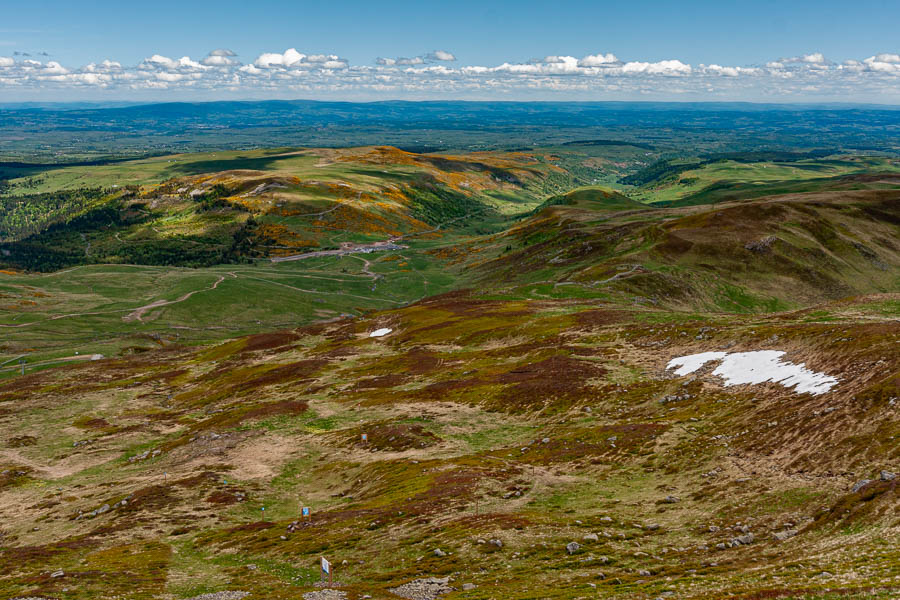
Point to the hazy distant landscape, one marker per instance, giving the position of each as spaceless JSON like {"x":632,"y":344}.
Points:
{"x":57,"y":132}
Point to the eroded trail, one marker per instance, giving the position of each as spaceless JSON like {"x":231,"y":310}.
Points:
{"x":138,"y":313}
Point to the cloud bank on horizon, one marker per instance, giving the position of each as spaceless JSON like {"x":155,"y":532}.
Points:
{"x":435,"y":74}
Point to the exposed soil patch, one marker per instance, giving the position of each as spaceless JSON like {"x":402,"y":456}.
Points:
{"x":268,"y":341}
{"x":21,"y":441}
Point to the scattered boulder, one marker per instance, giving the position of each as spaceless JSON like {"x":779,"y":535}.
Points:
{"x":430,"y":588}
{"x":573,"y":547}
{"x":860,"y":485}
{"x":439,"y":553}
{"x":590,"y":537}
{"x":467,"y":587}
{"x":221,"y":596}
{"x":887,"y":476}
{"x":496,"y":542}
{"x":784,"y":535}
{"x":671,"y":500}
{"x":328,"y":594}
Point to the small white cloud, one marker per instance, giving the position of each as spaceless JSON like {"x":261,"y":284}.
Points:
{"x":55,"y":68}
{"x":816,"y":58}
{"x":221,"y":57}
{"x":157,"y":60}
{"x":389,"y":62}
{"x":883,"y":63}
{"x":663,"y":67}
{"x":415,"y":60}
{"x":442,"y":55}
{"x":6,"y":61}
{"x":598,"y":60}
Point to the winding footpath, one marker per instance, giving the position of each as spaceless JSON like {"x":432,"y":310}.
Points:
{"x":138,"y":313}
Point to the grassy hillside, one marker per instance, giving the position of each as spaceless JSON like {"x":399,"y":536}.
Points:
{"x":698,"y":180}
{"x":201,"y":210}
{"x":766,"y":254}
{"x":499,"y":432}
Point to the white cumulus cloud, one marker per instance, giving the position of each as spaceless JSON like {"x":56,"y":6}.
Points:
{"x":436,"y":74}
{"x":598,"y":60}
{"x":442,"y":55}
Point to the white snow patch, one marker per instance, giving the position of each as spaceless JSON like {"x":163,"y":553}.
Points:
{"x":689,"y":364}
{"x":380,"y":332}
{"x":740,"y":368}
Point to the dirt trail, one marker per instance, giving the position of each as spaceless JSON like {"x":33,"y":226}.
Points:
{"x":52,"y":361}
{"x":138,"y":313}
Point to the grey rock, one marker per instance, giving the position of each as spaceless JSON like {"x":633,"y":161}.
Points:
{"x":439,"y":553}
{"x":887,"y":476}
{"x":786,"y":534}
{"x":467,"y":587}
{"x":423,"y":589}
{"x":644,"y":573}
{"x":652,"y":527}
{"x":859,"y":485}
{"x":327,"y":594}
{"x":56,"y":574}
{"x":671,"y":499}
{"x":746,"y":540}
{"x":590,"y":537}
{"x":496,"y":542}
{"x":221,"y":596}
{"x":573,"y":547}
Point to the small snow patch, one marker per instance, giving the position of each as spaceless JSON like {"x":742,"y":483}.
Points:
{"x":380,"y":332}
{"x":756,"y":367}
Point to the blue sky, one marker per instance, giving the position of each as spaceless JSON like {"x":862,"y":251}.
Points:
{"x":480,"y":36}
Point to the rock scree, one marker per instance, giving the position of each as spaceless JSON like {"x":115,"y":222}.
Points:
{"x":430,"y":588}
